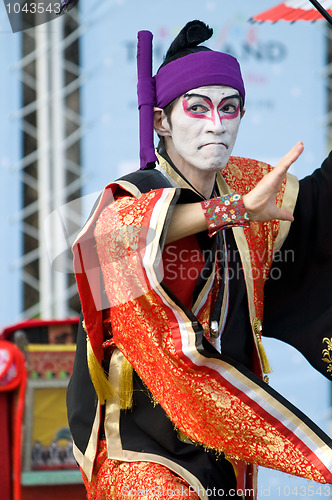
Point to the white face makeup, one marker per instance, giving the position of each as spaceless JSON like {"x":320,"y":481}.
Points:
{"x":205,"y":123}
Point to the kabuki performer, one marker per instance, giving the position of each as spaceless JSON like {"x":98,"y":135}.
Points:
{"x":169,"y":396}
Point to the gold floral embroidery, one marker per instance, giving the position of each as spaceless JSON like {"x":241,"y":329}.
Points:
{"x":134,"y":480}
{"x":242,"y":174}
{"x":327,"y":353}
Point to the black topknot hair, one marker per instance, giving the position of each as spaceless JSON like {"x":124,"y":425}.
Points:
{"x":187,"y":41}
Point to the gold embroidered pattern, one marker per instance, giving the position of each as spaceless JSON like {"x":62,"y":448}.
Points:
{"x":327,"y":353}
{"x":206,"y":411}
{"x":113,"y":479}
{"x":242,"y":175}
{"x":120,"y":234}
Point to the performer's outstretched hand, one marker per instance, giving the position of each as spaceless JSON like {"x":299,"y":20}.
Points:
{"x":260,"y":202}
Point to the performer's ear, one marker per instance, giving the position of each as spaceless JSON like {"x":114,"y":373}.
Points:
{"x":161,"y":124}
{"x":243,"y":113}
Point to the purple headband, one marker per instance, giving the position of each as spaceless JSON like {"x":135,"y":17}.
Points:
{"x":174,"y":79}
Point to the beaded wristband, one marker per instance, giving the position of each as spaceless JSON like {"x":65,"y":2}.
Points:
{"x":225,"y":211}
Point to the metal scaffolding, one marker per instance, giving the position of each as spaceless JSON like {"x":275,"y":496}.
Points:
{"x":50,"y":164}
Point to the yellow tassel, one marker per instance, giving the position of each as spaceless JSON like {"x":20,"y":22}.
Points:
{"x":98,"y":376}
{"x":265,"y":362}
{"x":126,"y":385}
{"x":257,"y":325}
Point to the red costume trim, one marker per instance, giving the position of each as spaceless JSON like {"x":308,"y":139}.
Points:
{"x":134,"y":480}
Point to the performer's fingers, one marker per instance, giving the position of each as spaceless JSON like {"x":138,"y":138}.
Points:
{"x":289,"y":158}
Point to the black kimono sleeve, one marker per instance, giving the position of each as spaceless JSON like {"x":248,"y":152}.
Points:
{"x":298,"y":293}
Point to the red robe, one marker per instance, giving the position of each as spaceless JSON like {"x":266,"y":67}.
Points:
{"x":213,"y":401}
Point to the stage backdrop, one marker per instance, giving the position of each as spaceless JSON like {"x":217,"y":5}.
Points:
{"x":10,"y":189}
{"x":283,"y":68}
